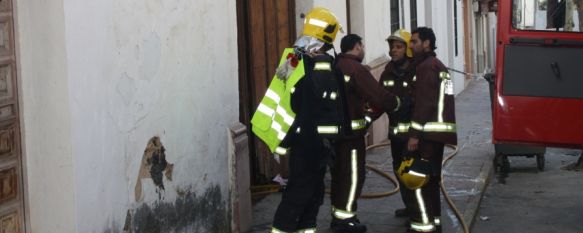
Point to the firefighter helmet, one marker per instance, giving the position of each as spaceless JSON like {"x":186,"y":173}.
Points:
{"x":403,"y":36}
{"x":413,"y":172}
{"x":320,"y":23}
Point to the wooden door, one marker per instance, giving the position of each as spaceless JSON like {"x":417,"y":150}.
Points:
{"x":11,"y":198}
{"x":265,"y":28}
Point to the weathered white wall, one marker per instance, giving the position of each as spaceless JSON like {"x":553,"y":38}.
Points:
{"x":456,"y":61}
{"x":99,"y":79}
{"x":371,"y":19}
{"x":406,"y":13}
{"x":45,"y":116}
{"x":152,"y":68}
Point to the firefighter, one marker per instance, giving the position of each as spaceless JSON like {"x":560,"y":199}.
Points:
{"x":397,"y":78}
{"x":348,"y":169}
{"x":432,"y":126}
{"x":299,"y":115}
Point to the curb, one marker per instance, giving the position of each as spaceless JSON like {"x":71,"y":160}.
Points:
{"x":474,"y":203}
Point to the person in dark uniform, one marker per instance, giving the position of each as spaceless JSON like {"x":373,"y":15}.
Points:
{"x":348,"y":169}
{"x":432,"y":126}
{"x":398,"y":79}
{"x":307,"y":94}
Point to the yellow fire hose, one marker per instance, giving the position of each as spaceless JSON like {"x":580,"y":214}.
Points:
{"x":381,"y":173}
{"x":267,"y":189}
{"x":447,"y":198}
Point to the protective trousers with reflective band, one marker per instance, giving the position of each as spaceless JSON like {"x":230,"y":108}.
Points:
{"x":304,"y":193}
{"x":398,"y":150}
{"x":274,"y":116}
{"x":348,"y":174}
{"x":427,"y":205}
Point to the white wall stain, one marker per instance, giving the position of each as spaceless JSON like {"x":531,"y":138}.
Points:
{"x":126,"y":88}
{"x":150,"y":56}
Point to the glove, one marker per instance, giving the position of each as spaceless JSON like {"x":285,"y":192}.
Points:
{"x":287,"y":67}
{"x":277,"y":158}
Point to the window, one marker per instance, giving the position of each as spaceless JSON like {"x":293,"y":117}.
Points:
{"x":547,"y":15}
{"x":395,"y":23}
{"x":413,"y":14}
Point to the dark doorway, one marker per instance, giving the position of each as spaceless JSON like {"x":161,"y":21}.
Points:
{"x":265,"y":28}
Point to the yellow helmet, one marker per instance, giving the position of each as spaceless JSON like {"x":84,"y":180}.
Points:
{"x":403,"y":36}
{"x":321,"y":24}
{"x":413,"y":173}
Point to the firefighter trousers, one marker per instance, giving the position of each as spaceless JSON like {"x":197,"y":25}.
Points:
{"x":398,"y":150}
{"x":426,"y":216}
{"x":304,"y":193}
{"x":348,"y":174}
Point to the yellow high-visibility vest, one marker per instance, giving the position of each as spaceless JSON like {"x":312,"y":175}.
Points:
{"x":274,"y":116}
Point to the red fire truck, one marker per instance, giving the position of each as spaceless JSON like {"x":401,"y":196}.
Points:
{"x":537,"y":94}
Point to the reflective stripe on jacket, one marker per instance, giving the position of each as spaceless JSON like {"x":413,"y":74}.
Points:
{"x":434,"y":109}
{"x":362,"y":88}
{"x":401,"y":83}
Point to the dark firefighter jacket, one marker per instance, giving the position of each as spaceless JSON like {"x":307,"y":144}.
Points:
{"x":362,"y":88}
{"x":317,"y":102}
{"x":399,"y":81}
{"x":434,"y":111}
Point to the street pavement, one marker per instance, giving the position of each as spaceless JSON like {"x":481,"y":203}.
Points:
{"x":465,"y":176}
{"x":529,"y":200}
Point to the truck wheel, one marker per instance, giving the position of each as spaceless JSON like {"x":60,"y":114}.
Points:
{"x":505,"y":164}
{"x":540,"y":162}
{"x":501,"y":163}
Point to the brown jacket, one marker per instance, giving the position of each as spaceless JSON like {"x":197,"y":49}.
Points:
{"x":400,"y":82}
{"x":434,"y":109}
{"x":362,"y":87}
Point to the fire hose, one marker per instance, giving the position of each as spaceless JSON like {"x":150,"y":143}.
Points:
{"x":267,"y":189}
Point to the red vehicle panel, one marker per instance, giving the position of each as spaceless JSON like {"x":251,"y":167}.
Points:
{"x":538,"y":97}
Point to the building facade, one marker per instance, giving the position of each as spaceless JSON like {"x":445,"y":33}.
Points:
{"x":129,"y":116}
{"x":125,"y":108}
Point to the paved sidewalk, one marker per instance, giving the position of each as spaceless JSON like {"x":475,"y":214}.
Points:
{"x":465,"y":178}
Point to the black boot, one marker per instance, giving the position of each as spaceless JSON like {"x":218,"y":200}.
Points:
{"x":349,"y":225}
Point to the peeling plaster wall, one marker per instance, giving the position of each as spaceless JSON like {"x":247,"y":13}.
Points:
{"x":99,"y":79}
{"x":145,"y":68}
{"x":45,"y":116}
